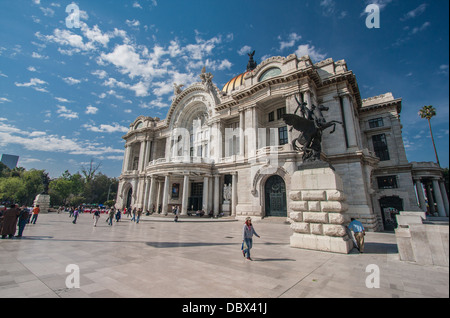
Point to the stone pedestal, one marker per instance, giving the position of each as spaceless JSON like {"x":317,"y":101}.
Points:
{"x":317,"y":211}
{"x":226,"y":207}
{"x":43,"y":200}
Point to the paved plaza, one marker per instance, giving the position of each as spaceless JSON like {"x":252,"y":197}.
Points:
{"x":199,"y":258}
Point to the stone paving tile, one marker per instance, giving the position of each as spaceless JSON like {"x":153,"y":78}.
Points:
{"x":158,"y":258}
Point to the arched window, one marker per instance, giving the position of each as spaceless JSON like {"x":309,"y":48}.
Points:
{"x":271,"y":72}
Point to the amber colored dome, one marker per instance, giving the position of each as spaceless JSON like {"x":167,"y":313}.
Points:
{"x":234,"y":83}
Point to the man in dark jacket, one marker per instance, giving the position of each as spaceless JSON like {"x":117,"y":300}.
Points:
{"x":9,"y":222}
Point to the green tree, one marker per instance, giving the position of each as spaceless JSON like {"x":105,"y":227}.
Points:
{"x":12,"y":189}
{"x":60,"y":191}
{"x":429,"y":112}
{"x":33,"y":185}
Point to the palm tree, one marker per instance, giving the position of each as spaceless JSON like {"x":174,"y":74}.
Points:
{"x":429,"y":112}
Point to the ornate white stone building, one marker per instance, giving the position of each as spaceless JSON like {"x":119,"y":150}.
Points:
{"x":228,"y":150}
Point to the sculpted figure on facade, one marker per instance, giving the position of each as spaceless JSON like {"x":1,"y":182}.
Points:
{"x":177,"y":89}
{"x":206,"y":78}
{"x":227,"y":190}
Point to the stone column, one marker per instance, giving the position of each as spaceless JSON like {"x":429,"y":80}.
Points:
{"x":146,"y":193}
{"x":165,"y":201}
{"x":205,"y":194}
{"x":438,"y":196}
{"x":140,"y":193}
{"x":185,"y":199}
{"x":147,"y":153}
{"x":444,"y":196}
{"x":430,"y":198}
{"x":419,"y":188}
{"x":151,"y":195}
{"x":307,"y":97}
{"x":241,"y":133}
{"x":126,"y":160}
{"x":349,"y":124}
{"x":216,"y":194}
{"x":141,"y":156}
{"x":210,"y":195}
{"x":234,"y":194}
{"x":158,"y":197}
{"x":255,"y":127}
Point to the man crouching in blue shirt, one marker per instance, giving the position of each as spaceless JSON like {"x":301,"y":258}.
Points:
{"x":359,"y":231}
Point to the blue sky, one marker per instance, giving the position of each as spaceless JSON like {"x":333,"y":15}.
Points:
{"x":68,"y":95}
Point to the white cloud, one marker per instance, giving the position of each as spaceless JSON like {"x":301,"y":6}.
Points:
{"x":35,"y":83}
{"x":202,"y":47}
{"x":292,"y":39}
{"x":91,"y":110}
{"x":4,"y":100}
{"x":415,"y":13}
{"x":39,"y":56}
{"x":225,"y":64}
{"x":244,"y":50}
{"x":95,"y":35}
{"x":63,"y":100}
{"x":40,"y":141}
{"x":48,"y":12}
{"x":128,"y":61}
{"x":32,"y":69}
{"x":421,"y":28}
{"x":100,"y":74}
{"x":103,"y":128}
{"x":314,"y":54}
{"x":140,"y":89}
{"x":76,"y":42}
{"x":174,"y":49}
{"x":137,"y":5}
{"x":71,"y":81}
{"x":66,"y":113}
{"x":133,"y":23}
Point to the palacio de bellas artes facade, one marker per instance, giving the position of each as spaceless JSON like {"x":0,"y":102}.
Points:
{"x":229,"y":151}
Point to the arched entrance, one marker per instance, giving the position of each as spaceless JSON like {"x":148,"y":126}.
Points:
{"x":129,"y":197}
{"x":275,"y":197}
{"x":390,"y":207}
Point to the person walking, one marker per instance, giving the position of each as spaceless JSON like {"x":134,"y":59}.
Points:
{"x":139,"y":213}
{"x":24,"y":216}
{"x":176,"y":214}
{"x":9,"y":222}
{"x":134,"y":214}
{"x":96,"y":216}
{"x":359,"y":233}
{"x":118,"y":215}
{"x":36,"y":211}
{"x":247,"y":238}
{"x":76,"y":213}
{"x":111,"y":216}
